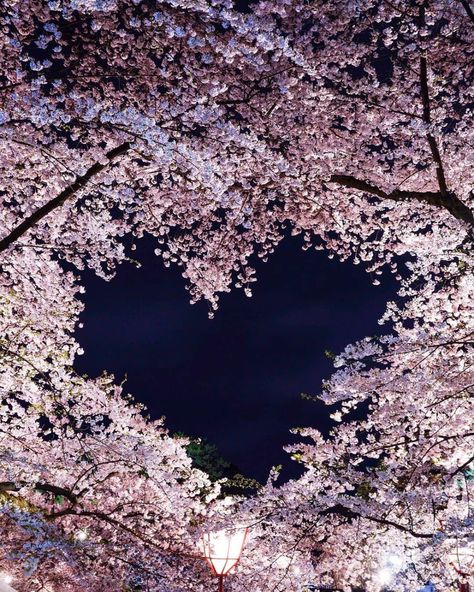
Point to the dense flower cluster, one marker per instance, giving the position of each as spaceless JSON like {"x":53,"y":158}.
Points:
{"x":215,"y":131}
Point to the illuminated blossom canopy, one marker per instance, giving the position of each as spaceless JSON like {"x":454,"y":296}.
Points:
{"x":215,"y":132}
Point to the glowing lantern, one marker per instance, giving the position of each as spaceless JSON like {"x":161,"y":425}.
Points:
{"x":385,"y":576}
{"x":222,"y":550}
{"x":5,"y":581}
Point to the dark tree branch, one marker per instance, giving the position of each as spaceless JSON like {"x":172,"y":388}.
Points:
{"x":43,"y":487}
{"x":341,"y":510}
{"x":468,"y":9}
{"x":425,"y":98}
{"x":102,"y":516}
{"x":463,"y":467}
{"x":9,"y":86}
{"x":59,"y":200}
{"x":427,"y":119}
{"x":434,"y":198}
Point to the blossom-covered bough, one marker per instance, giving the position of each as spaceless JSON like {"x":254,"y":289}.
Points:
{"x":347,"y":122}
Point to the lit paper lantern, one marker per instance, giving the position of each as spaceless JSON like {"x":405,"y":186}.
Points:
{"x":5,"y":582}
{"x":222,"y":550}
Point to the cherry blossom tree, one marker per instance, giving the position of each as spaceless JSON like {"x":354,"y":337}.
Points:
{"x":93,"y":495}
{"x":205,"y":127}
{"x":389,"y":492}
{"x":216,"y":132}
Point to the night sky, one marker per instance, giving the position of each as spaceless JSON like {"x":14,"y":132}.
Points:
{"x":236,"y":379}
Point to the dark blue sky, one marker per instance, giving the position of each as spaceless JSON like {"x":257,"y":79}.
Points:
{"x":235,"y":379}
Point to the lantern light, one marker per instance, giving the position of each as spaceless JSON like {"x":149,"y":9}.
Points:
{"x":5,"y":581}
{"x":222,"y":551}
{"x":385,"y":576}
{"x":395,"y":561}
{"x":283,"y":561}
{"x":392,"y":564}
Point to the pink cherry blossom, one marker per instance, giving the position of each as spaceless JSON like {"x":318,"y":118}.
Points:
{"x":217,"y":133}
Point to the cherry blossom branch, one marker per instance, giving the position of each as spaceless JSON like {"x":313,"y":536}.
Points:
{"x":462,"y":467}
{"x":10,"y":86}
{"x":434,"y":198}
{"x":468,"y":9}
{"x":348,"y":513}
{"x":425,"y":97}
{"x":60,"y":199}
{"x":43,"y":487}
{"x":104,"y":517}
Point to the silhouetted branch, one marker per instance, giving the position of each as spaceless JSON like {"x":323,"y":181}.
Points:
{"x":59,"y":200}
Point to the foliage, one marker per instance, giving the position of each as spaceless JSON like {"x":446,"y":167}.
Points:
{"x":207,"y":458}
